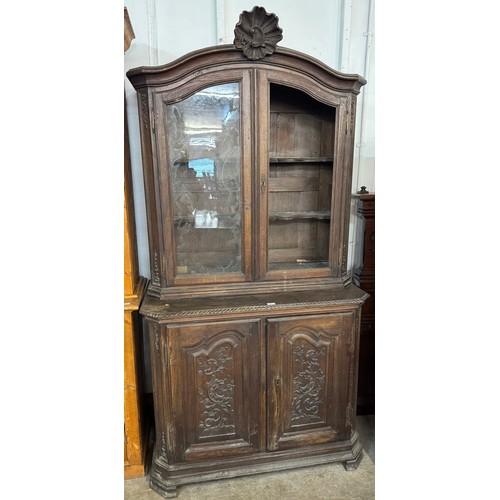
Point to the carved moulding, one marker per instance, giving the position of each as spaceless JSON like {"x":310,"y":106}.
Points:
{"x":159,"y":314}
{"x":257,"y":33}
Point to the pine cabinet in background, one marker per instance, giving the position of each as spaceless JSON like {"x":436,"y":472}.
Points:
{"x":137,"y":411}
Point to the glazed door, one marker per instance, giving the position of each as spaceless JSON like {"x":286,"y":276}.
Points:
{"x":308,"y":380}
{"x":215,"y":384}
{"x":204,"y":150}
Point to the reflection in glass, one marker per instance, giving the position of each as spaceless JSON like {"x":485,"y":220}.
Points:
{"x":204,"y":160}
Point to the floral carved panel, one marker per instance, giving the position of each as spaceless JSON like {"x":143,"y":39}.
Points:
{"x":216,"y":392}
{"x":308,"y":403}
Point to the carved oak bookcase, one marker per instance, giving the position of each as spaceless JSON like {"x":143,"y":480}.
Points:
{"x":251,"y":314}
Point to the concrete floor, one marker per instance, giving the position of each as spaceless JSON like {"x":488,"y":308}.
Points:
{"x":323,"y":482}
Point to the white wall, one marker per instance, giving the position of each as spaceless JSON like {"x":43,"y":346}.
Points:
{"x":340,"y":33}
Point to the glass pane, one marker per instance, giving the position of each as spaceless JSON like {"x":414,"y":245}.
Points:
{"x":300,"y":180}
{"x":205,"y":168}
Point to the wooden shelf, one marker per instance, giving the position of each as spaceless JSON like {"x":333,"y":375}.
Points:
{"x":225,"y":222}
{"x":316,"y":159}
{"x":307,"y":263}
{"x":197,"y":185}
{"x":285,"y":216}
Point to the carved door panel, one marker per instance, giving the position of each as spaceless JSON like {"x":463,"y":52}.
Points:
{"x":214,"y":375}
{"x":308,"y":385}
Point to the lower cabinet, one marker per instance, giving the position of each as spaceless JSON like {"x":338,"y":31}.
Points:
{"x":250,"y":395}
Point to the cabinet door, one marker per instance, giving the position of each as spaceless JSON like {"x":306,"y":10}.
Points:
{"x":308,"y":379}
{"x":214,"y":379}
{"x":204,"y":149}
{"x":301,"y":165}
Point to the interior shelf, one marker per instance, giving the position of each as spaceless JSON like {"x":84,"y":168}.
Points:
{"x":189,"y":221}
{"x":318,"y":215}
{"x":304,"y":263}
{"x":315,"y":159}
{"x":212,"y":187}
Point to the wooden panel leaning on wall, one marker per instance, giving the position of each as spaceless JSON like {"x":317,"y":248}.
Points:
{"x":136,"y":414}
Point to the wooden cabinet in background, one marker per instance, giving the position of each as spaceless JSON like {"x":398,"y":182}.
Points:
{"x":137,"y":419}
{"x":364,"y":277}
{"x":252,"y":317}
{"x":137,"y":415}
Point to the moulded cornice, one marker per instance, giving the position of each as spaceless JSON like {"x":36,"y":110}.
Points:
{"x":226,"y":56}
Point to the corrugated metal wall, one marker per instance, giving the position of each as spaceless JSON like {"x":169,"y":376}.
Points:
{"x":339,"y":33}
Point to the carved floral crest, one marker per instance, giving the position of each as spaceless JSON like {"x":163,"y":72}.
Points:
{"x":257,"y":33}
